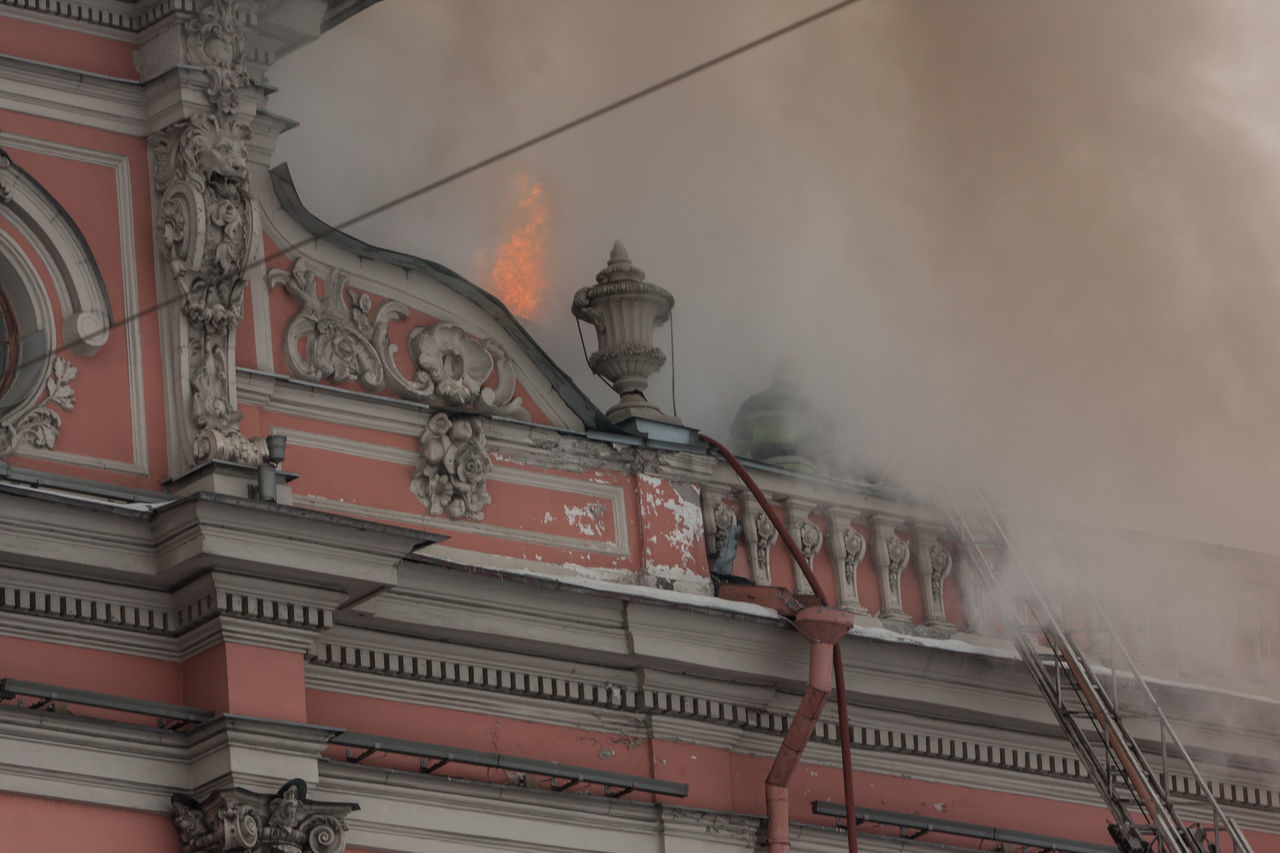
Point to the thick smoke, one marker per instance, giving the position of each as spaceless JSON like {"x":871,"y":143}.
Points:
{"x":1029,"y":245}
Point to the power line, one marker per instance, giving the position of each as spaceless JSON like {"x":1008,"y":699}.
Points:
{"x":489,"y":161}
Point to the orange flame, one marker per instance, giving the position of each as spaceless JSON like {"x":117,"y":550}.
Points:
{"x":519,"y":273}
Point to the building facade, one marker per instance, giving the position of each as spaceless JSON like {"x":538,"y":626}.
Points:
{"x":457,"y":607}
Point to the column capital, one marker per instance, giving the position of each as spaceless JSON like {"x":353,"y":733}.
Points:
{"x":234,"y":819}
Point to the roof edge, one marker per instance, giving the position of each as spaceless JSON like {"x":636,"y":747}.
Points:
{"x":577,"y":401}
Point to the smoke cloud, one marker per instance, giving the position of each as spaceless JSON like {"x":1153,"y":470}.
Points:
{"x":1030,"y":244}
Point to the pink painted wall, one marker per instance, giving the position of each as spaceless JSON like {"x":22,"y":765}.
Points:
{"x":43,"y":824}
{"x":66,"y":47}
{"x":241,"y":679}
{"x":718,"y":778}
{"x":91,"y":669}
{"x":101,"y":427}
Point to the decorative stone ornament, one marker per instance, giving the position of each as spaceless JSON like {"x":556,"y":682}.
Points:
{"x":240,"y":820}
{"x":848,"y":547}
{"x":721,"y":530}
{"x":625,"y":310}
{"x":760,"y":535}
{"x":717,"y":518}
{"x":338,"y":337}
{"x":51,"y":275}
{"x":933,"y":564}
{"x":891,"y":555}
{"x":216,"y":41}
{"x":38,"y":425}
{"x":207,"y":229}
{"x":451,"y":477}
{"x":725,"y":522}
{"x":807,"y":535}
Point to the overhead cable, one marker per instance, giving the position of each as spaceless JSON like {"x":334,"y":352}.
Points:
{"x":494,"y":158}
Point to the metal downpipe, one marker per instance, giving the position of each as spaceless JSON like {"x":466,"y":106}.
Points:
{"x":824,"y":658}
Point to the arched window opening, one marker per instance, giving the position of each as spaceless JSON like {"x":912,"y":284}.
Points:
{"x":35,"y":380}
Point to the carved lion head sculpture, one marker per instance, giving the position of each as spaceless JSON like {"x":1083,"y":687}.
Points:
{"x":213,"y":149}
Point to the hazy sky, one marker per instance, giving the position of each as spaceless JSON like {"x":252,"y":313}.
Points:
{"x":1034,"y":241}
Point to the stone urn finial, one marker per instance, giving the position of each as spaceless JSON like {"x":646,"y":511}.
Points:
{"x":625,"y":310}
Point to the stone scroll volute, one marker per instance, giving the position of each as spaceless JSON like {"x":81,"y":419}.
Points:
{"x":807,"y":535}
{"x":760,"y":535}
{"x":891,"y":554}
{"x":340,"y":337}
{"x":933,"y":564}
{"x":239,"y":821}
{"x":207,"y":230}
{"x":713,"y":509}
{"x":848,"y":548}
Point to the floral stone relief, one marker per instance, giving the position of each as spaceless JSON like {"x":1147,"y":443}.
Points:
{"x":452,"y":473}
{"x":205,"y":222}
{"x":38,"y":425}
{"x":848,"y":547}
{"x":340,"y":337}
{"x":809,"y":537}
{"x":240,"y":820}
{"x":760,"y":535}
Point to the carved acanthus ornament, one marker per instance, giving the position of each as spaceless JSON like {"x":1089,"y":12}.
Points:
{"x":453,"y":471}
{"x":717,"y":518}
{"x":808,"y":536}
{"x":338,"y":337}
{"x":933,"y":563}
{"x":38,"y":425}
{"x":721,"y":530}
{"x":891,"y":555}
{"x":206,"y":225}
{"x":725,"y":521}
{"x":848,"y":547}
{"x":760,"y":534}
{"x":240,"y":820}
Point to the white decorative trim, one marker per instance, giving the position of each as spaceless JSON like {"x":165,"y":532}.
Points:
{"x":942,"y":751}
{"x":87,"y":760}
{"x":618,"y":546}
{"x":80,"y":600}
{"x":62,"y":94}
{"x":260,"y":310}
{"x":544,"y":446}
{"x":119,"y":165}
{"x":105,"y":18}
{"x":43,"y":629}
{"x":214,"y":608}
{"x":394,"y":284}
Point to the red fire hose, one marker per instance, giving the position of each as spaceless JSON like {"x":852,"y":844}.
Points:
{"x":823,"y":626}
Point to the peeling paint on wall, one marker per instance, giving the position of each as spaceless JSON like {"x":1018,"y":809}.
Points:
{"x":673,"y":554}
{"x":589,"y":520}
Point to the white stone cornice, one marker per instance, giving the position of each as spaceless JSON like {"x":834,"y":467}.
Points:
{"x":254,"y":597}
{"x":74,"y":758}
{"x":622,"y":723}
{"x":47,"y":91}
{"x":224,"y":629}
{"x":253,"y":537}
{"x":79,"y":537}
{"x":232,"y":750}
{"x":169,"y":545}
{"x":43,"y":629}
{"x":404,"y":811}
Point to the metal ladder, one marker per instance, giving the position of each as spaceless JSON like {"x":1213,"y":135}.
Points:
{"x":1144,"y":819}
